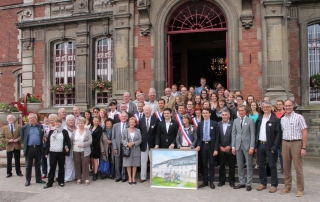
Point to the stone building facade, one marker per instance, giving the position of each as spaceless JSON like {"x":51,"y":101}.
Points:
{"x":267,"y":47}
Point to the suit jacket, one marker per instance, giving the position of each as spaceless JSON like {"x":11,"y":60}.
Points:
{"x":126,"y":138}
{"x":273,"y":132}
{"x":214,"y":134}
{"x":225,"y":139}
{"x":163,"y":138}
{"x":116,"y":137}
{"x":24,"y":134}
{"x":150,"y":136}
{"x":6,"y":135}
{"x":171,"y":102}
{"x":66,"y":142}
{"x":117,"y":120}
{"x":246,"y":135}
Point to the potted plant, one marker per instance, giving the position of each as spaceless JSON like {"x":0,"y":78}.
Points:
{"x":315,"y":81}
{"x":62,"y":88}
{"x":5,"y":110}
{"x":34,"y":103}
{"x":101,"y":86}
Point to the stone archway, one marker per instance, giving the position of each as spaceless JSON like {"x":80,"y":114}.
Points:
{"x":161,"y":42}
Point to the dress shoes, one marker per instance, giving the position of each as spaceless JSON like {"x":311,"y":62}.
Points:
{"x":27,"y":183}
{"x":61,"y":184}
{"x":19,"y":174}
{"x":103,"y":177}
{"x":239,"y":186}
{"x":134,"y":182}
{"x":299,"y":194}
{"x":124,"y":180}
{"x":117,"y":180}
{"x":284,"y":191}
{"x":212,"y":185}
{"x":43,"y":176}
{"x":220,"y":184}
{"x":40,"y":182}
{"x":130,"y":183}
{"x":47,"y":186}
{"x":248,"y":188}
{"x":231,"y":184}
{"x":9,"y":175}
{"x":142,"y":181}
{"x":203,"y":185}
{"x":111,"y":177}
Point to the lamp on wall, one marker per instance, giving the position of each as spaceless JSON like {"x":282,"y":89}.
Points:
{"x":219,"y":66}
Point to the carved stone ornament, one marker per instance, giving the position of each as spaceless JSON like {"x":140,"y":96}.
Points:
{"x":144,"y":24}
{"x":247,"y":21}
{"x":25,"y":14}
{"x":82,"y":4}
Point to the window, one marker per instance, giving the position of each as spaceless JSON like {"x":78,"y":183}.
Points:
{"x":19,"y":85}
{"x":314,"y":59}
{"x":103,"y":67}
{"x":64,"y":71}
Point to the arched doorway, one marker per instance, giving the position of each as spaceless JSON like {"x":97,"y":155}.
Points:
{"x":197,"y":44}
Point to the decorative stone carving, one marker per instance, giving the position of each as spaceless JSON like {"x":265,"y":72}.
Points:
{"x":247,"y":21}
{"x":81,"y":6}
{"x":101,"y":5}
{"x":62,"y":9}
{"x":246,"y":14}
{"x":27,"y":43}
{"x":144,"y":11}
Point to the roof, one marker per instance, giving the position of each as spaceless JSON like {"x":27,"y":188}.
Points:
{"x":183,"y":161}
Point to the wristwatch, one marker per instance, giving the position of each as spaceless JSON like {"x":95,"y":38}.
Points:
{"x":304,"y":148}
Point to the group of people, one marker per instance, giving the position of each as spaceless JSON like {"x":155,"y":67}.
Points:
{"x":217,"y":123}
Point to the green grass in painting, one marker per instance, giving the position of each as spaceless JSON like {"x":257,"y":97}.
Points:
{"x":190,"y":185}
{"x":158,"y":181}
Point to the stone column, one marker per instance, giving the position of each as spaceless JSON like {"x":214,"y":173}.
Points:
{"x":123,"y":71}
{"x":27,"y":62}
{"x":82,"y":68}
{"x":275,"y":67}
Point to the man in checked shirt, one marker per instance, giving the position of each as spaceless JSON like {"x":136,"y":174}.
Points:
{"x":294,"y":143}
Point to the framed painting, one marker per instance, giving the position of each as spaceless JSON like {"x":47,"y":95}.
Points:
{"x":174,"y":168}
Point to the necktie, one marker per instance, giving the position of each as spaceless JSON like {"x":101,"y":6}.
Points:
{"x":241,"y":122}
{"x":206,"y":130}
{"x":147,"y":125}
{"x":11,"y":128}
{"x":140,"y":116}
{"x":168,"y":99}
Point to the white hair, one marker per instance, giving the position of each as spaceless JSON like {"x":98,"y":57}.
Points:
{"x":52,"y":116}
{"x":70,"y":116}
{"x":60,"y":109}
{"x":9,"y":117}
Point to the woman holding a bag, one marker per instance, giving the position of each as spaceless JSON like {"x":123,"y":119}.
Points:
{"x":132,"y":138}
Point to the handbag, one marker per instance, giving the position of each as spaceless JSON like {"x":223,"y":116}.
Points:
{"x":104,"y":167}
{"x":125,"y":150}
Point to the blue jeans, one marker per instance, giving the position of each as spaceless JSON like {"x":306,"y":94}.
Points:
{"x":263,"y":154}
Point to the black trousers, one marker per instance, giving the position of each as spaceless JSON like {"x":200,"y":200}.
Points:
{"x":207,"y":156}
{"x":16,"y":154}
{"x":231,"y":159}
{"x":56,"y":158}
{"x":33,"y":153}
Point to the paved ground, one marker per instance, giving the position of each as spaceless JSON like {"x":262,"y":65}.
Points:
{"x":13,"y":189}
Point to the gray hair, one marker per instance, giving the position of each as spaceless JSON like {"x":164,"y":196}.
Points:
{"x":70,"y":116}
{"x":9,"y":117}
{"x":127,"y":93}
{"x":60,"y":109}
{"x":52,"y":116}
{"x":266,"y":102}
{"x":146,"y":106}
{"x":82,"y":119}
{"x":226,"y":110}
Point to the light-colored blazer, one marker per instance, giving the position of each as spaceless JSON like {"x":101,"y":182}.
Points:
{"x":171,"y":102}
{"x":87,"y":140}
{"x":5,"y":136}
{"x":126,"y":138}
{"x":246,"y":135}
{"x":116,"y":137}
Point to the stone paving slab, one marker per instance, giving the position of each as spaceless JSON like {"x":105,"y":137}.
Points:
{"x":108,"y":190}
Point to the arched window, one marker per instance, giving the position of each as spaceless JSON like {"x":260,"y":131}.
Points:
{"x":103,"y":68}
{"x":314,"y":59}
{"x":64,"y":73}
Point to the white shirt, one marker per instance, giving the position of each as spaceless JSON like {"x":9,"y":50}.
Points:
{"x":168,"y":124}
{"x":262,"y":134}
{"x":78,"y":139}
{"x":132,"y":136}
{"x":111,"y":114}
{"x":123,"y":127}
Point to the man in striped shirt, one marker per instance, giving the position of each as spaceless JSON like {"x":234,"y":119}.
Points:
{"x":294,"y":143}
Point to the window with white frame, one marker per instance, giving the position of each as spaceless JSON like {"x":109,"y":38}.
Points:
{"x":314,"y":59}
{"x":19,"y":85}
{"x":64,"y":72}
{"x":103,"y":68}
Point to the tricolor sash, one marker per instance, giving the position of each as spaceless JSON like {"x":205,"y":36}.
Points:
{"x":195,"y":122}
{"x":119,"y":116}
{"x":158,"y":115}
{"x":184,"y":133}
{"x":137,"y":118}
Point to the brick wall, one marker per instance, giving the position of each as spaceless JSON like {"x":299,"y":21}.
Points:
{"x":38,"y":61}
{"x":143,"y":52}
{"x":294,"y":53}
{"x":39,"y":11}
{"x":7,"y":80}
{"x":250,"y":70}
{"x":8,"y":36}
{"x":10,"y":2}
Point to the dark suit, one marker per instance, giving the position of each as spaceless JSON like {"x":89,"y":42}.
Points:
{"x":163,"y":138}
{"x":225,"y":140}
{"x":32,"y":152}
{"x":207,"y":149}
{"x":273,"y":135}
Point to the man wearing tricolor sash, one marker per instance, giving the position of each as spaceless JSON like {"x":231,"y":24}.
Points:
{"x":159,"y":112}
{"x":138,"y":116}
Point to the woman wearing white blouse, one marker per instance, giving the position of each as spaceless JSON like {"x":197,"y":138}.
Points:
{"x":69,"y":167}
{"x":132,"y":138}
